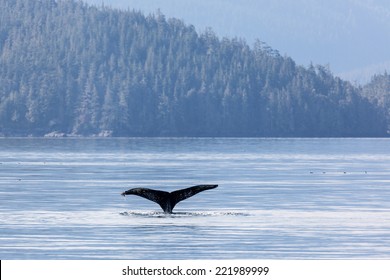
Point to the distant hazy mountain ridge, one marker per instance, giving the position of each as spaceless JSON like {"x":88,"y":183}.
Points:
{"x":352,"y":36}
{"x":68,"y":68}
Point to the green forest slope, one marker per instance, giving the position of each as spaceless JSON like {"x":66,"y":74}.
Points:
{"x":74,"y":69}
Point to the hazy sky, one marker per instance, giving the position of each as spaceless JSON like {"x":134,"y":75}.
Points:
{"x":352,"y":36}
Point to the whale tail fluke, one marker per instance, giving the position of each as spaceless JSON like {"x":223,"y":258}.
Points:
{"x":160,"y":197}
{"x":182,"y":194}
{"x":168,"y":200}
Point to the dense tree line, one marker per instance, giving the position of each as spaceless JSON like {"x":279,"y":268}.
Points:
{"x":378,"y":92}
{"x":71,"y":68}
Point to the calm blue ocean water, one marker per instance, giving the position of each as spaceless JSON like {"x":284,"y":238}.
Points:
{"x":277,"y":198}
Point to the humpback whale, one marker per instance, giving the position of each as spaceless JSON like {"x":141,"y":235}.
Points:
{"x":168,"y":200}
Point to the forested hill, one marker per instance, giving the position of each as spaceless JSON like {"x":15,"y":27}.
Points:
{"x":70,"y":68}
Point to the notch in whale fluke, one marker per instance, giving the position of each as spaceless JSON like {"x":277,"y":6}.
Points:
{"x":168,"y":200}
